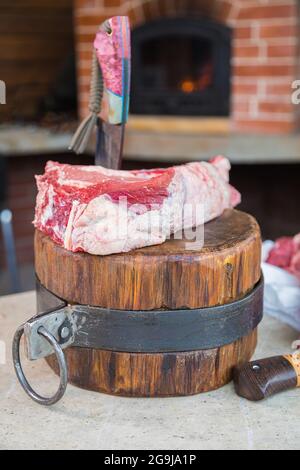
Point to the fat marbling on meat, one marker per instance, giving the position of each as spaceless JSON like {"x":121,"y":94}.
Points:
{"x":101,"y":211}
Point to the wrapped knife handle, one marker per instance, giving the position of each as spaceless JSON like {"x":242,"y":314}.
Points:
{"x":261,"y":379}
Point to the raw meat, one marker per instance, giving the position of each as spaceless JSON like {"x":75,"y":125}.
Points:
{"x":286,"y":254}
{"x":100,"y":211}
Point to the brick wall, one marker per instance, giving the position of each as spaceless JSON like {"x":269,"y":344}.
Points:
{"x":265,"y":51}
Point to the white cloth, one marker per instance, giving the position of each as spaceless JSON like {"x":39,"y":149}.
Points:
{"x":282,"y":291}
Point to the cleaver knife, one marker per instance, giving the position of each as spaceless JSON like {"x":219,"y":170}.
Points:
{"x":113,"y":51}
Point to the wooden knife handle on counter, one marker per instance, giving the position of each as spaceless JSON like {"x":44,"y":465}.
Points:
{"x":266,"y":377}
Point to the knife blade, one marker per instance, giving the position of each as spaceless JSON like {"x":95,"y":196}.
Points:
{"x":113,"y":50}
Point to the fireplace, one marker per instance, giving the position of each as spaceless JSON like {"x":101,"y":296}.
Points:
{"x":181,"y":67}
{"x":262,"y":50}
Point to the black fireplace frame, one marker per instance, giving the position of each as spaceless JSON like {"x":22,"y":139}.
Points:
{"x":214,"y":101}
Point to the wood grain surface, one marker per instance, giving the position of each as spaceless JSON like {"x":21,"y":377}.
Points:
{"x":36,"y":40}
{"x":170,"y":275}
{"x":156,"y":375}
{"x":261,"y":379}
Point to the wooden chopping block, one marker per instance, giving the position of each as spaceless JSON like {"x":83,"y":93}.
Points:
{"x":168,"y":276}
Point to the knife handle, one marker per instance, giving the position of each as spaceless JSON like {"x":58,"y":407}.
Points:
{"x":261,"y":379}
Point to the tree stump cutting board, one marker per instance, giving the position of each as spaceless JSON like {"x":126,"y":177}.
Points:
{"x":170,"y":276}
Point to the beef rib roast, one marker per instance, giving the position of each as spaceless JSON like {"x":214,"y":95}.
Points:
{"x":101,"y":211}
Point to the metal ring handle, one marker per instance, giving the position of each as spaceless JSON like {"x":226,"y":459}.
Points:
{"x":63,"y":370}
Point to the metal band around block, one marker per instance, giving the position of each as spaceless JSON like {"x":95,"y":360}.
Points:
{"x":151,"y":331}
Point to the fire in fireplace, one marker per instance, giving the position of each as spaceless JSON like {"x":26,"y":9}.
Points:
{"x":181,"y":66}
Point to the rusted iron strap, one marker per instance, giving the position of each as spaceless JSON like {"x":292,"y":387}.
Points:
{"x":148,"y":331}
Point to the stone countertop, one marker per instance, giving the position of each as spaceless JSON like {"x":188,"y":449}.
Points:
{"x":160,"y":143}
{"x":21,"y":140}
{"x":87,"y":420}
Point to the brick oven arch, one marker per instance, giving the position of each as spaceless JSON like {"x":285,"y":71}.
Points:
{"x":222,"y":11}
{"x":264,"y":62}
{"x":181,"y":67}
